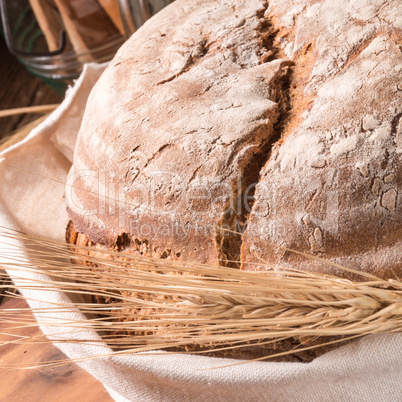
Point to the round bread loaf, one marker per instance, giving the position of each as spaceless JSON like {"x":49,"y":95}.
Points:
{"x":214,"y":104}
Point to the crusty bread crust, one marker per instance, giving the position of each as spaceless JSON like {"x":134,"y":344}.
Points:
{"x":210,"y":98}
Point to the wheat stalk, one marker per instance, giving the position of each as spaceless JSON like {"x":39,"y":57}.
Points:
{"x":147,"y":304}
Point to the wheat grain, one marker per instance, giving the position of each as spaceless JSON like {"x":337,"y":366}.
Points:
{"x":162,"y":304}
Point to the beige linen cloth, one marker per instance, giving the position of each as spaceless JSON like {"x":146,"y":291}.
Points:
{"x":32,"y":174}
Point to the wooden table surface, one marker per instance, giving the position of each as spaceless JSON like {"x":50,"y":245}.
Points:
{"x":62,"y":383}
{"x":18,"y":88}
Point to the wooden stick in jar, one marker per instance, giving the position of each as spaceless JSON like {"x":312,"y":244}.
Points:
{"x":112,"y":9}
{"x":49,"y":21}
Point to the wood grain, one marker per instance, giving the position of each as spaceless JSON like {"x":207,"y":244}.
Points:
{"x":65,"y":383}
{"x":19,"y":88}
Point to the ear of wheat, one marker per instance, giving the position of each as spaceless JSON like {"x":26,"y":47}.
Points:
{"x":148,"y":304}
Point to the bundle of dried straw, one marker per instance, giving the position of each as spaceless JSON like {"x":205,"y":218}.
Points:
{"x":196,"y":304}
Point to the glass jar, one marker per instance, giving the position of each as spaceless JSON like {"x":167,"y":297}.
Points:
{"x":55,"y":38}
